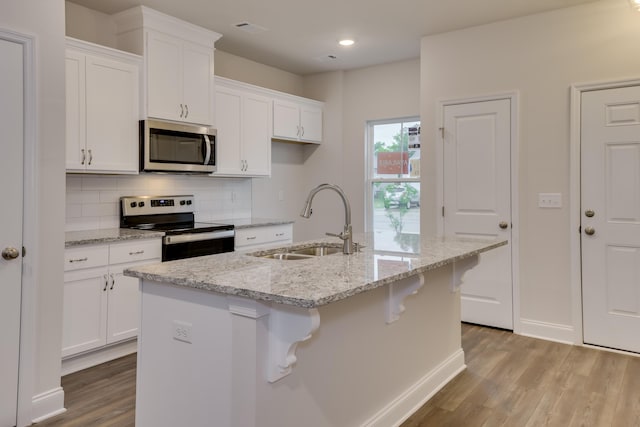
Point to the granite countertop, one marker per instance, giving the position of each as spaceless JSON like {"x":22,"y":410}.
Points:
{"x":109,"y":235}
{"x":254,"y":222}
{"x":314,"y":281}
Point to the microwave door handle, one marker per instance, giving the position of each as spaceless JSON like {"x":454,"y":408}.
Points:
{"x":207,"y":155}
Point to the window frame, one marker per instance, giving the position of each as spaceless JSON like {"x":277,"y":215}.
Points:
{"x":369,"y":156}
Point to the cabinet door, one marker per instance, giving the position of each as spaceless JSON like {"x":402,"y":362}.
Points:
{"x":112,"y":115}
{"x":311,"y":123}
{"x":164,"y":76}
{"x":286,"y":120}
{"x":75,"y":110}
{"x":197,"y":62}
{"x":84,"y":319}
{"x":256,"y":135}
{"x":123,"y":308}
{"x":228,"y":124}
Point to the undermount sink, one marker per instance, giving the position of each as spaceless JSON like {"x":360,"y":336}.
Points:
{"x":317,"y":250}
{"x":285,"y":256}
{"x":292,"y":254}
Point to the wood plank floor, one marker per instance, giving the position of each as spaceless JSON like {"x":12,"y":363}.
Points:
{"x":510,"y":381}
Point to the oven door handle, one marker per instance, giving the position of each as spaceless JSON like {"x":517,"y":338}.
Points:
{"x":196,"y":237}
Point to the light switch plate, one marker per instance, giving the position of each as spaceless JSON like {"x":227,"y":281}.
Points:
{"x":550,"y":200}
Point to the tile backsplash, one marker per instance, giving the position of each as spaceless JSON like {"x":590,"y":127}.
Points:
{"x":92,"y":201}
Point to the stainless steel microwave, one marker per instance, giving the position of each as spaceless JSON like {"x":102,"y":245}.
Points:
{"x":177,"y":147}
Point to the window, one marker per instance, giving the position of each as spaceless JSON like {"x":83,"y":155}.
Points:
{"x":393,"y":184}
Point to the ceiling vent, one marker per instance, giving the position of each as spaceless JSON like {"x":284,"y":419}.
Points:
{"x":249,"y":27}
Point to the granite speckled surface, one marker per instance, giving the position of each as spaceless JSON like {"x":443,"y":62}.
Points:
{"x":254,"y":222}
{"x":314,"y":281}
{"x":109,"y":235}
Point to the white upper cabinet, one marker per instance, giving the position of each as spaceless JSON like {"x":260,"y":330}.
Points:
{"x":243,"y":121}
{"x":179,"y":63}
{"x":297,"y":119}
{"x":102,"y":109}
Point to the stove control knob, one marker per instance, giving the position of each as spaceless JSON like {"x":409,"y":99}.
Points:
{"x":133,"y":204}
{"x":141,"y":204}
{"x":188,"y":202}
{"x":182,"y":202}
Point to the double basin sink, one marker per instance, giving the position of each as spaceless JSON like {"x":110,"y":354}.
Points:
{"x":293,"y":253}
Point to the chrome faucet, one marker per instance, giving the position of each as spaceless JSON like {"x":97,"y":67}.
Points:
{"x":346,"y":235}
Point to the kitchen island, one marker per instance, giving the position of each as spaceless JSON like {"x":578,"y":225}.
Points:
{"x":240,"y":339}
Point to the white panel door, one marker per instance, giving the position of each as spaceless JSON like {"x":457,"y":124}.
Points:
{"x":477,"y":202}
{"x":256,"y":134}
{"x":197,"y":75}
{"x":164,"y":76}
{"x":610,"y":150}
{"x":123,"y":306}
{"x":11,"y":164}
{"x":112,"y":115}
{"x":229,"y":127}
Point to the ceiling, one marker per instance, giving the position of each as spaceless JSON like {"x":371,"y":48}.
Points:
{"x":301,"y":35}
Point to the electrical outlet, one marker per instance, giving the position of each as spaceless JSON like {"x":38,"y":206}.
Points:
{"x":182,"y":331}
{"x":550,"y":200}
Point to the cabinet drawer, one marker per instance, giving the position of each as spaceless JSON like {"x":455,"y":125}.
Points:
{"x":86,"y":257}
{"x":138,"y":250}
{"x":262,"y":235}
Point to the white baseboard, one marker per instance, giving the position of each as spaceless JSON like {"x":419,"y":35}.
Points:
{"x":96,"y":357}
{"x":47,"y":404}
{"x":547,"y":331}
{"x":409,"y":401}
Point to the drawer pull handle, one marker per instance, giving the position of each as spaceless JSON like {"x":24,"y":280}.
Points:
{"x":113,"y":282}
{"x":137,"y":252}
{"x":251,"y":238}
{"x":279,"y":234}
{"x":106,"y":283}
{"x":79,"y":259}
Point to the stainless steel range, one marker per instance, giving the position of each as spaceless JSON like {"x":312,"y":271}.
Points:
{"x":184,"y":238}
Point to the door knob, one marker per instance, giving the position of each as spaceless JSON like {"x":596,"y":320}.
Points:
{"x":589,"y":213}
{"x":10,"y":253}
{"x":589,"y":231}
{"x":503,"y":224}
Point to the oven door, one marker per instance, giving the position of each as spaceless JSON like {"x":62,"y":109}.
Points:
{"x":176,"y":147}
{"x":197,"y":244}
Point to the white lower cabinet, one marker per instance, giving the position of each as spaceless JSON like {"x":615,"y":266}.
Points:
{"x":263,"y":236}
{"x":100,"y":304}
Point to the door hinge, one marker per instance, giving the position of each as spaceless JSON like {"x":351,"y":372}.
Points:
{"x":443,"y":211}
{"x":441,"y":132}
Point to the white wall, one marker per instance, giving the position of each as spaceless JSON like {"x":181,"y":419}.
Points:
{"x":47,"y":27}
{"x":540,"y":56}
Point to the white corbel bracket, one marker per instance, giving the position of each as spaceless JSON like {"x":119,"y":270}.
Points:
{"x":397,"y":292}
{"x":460,"y":267}
{"x":288,"y":326}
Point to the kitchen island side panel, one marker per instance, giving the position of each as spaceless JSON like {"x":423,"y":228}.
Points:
{"x":354,"y":370}
{"x":174,"y":376}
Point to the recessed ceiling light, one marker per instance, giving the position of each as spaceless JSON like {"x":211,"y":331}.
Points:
{"x":635,"y":4}
{"x":346,"y":42}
